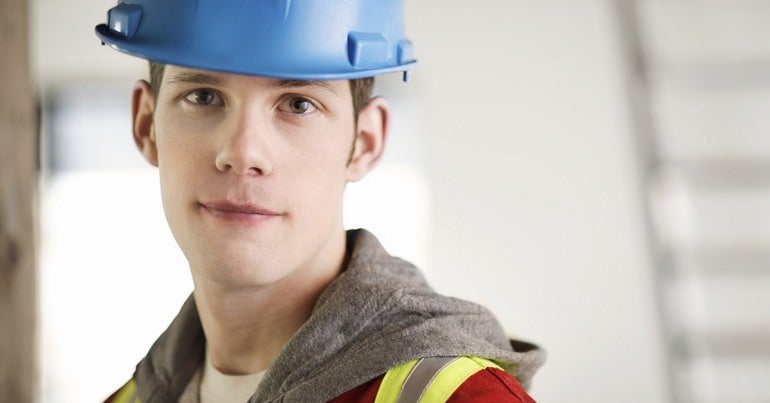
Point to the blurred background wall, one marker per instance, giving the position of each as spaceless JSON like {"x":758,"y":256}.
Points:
{"x":593,"y":171}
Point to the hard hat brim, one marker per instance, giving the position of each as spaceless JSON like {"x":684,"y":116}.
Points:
{"x":169,"y":54}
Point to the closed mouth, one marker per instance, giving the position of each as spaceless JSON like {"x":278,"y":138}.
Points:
{"x":237,"y":208}
{"x":239,"y":213}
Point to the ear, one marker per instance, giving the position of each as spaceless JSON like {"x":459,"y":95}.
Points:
{"x":371,"y":134}
{"x":142,"y":110}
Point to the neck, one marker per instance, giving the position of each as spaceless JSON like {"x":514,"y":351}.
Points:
{"x":246,"y":328}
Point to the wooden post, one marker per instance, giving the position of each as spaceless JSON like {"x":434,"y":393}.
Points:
{"x":18,"y":184}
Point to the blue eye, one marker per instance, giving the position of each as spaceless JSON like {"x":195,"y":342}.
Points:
{"x":204,"y":97}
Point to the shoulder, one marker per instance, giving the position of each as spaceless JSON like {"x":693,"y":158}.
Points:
{"x":490,"y":385}
{"x":439,"y":379}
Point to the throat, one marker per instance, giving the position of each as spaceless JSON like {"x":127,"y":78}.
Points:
{"x":247,"y":329}
{"x":246,"y":337}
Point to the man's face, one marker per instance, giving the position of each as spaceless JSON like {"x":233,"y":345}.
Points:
{"x":252,"y":171}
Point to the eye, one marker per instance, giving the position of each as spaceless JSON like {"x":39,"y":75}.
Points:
{"x":204,"y":97}
{"x":297,"y":105}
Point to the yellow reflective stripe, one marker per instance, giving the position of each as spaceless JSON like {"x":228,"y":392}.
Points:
{"x":127,"y":393}
{"x":485,"y":363}
{"x":449,"y":379}
{"x":391,"y":384}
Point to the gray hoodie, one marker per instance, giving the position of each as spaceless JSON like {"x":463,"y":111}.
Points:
{"x":379,"y":313}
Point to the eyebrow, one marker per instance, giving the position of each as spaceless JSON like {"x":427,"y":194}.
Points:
{"x":194,"y":77}
{"x":306,"y":83}
{"x":202,"y":78}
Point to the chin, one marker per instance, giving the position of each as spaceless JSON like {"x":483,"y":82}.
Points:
{"x":238,"y":278}
{"x":246,"y":271}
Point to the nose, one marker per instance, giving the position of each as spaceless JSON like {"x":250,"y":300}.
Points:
{"x":245,"y":151}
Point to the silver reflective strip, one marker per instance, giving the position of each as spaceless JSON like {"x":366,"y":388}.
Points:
{"x":421,"y":377}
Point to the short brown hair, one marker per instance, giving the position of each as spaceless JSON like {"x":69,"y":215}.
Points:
{"x":360,"y":88}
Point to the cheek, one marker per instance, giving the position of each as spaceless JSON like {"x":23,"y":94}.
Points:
{"x":183,"y":142}
{"x":178,"y":156}
{"x":321,"y":173}
{"x":175,"y":130}
{"x":321,"y":167}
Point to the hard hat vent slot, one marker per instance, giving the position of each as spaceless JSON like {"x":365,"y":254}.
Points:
{"x":124,"y":19}
{"x":367,"y":50}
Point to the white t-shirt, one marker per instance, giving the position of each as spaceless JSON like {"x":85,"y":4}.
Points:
{"x":216,"y":387}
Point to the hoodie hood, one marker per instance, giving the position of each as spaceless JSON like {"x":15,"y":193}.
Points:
{"x":378,"y":314}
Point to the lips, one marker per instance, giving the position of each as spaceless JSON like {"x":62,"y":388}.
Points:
{"x":244,"y":213}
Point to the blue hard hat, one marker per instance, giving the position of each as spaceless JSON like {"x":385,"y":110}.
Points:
{"x":292,"y":39}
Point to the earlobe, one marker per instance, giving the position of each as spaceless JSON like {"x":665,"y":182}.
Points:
{"x":371,"y":136}
{"x":142,"y":111}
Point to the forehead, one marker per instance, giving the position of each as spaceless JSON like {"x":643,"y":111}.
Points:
{"x":175,"y":75}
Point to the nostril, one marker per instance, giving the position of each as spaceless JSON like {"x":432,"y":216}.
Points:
{"x":243,"y":169}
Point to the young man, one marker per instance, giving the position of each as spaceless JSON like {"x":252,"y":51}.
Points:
{"x":257,"y":116}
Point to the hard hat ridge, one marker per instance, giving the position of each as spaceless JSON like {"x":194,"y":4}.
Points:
{"x":293,"y":39}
